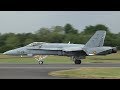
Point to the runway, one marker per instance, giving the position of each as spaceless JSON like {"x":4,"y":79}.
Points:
{"x":35,"y":71}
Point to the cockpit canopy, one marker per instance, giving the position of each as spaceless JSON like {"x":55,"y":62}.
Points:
{"x":35,"y":44}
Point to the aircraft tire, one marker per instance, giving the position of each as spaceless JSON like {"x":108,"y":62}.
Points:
{"x":77,"y":61}
{"x":40,"y":62}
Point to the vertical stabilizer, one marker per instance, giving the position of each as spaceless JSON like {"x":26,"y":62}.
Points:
{"x":97,"y":40}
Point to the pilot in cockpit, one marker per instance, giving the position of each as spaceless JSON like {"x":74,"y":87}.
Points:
{"x":35,"y":44}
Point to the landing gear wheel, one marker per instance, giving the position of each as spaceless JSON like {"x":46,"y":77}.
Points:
{"x":40,"y":62}
{"x":40,"y":58}
{"x":77,"y":61}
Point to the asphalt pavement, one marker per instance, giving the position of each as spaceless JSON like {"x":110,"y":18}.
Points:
{"x":36,"y":71}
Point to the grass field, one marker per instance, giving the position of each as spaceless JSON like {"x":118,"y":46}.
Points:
{"x":89,"y":73}
{"x":77,"y":73}
{"x":30,"y":60}
{"x":112,"y":58}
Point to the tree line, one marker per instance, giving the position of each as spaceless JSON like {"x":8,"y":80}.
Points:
{"x":57,"y":34}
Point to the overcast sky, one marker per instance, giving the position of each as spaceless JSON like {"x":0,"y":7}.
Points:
{"x":31,"y":21}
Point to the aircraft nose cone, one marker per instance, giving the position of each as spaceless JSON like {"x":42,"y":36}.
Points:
{"x":4,"y":53}
{"x":7,"y":53}
{"x":18,"y":51}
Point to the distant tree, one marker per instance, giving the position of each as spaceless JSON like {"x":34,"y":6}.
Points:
{"x":2,"y":40}
{"x":43,"y":31}
{"x":73,"y":38}
{"x":42,"y":34}
{"x":89,"y":29}
{"x":68,"y":28}
{"x":12,"y":41}
{"x":28,"y":41}
{"x":22,"y":37}
{"x":55,"y":37}
{"x":92,"y":29}
{"x":58,"y":29}
{"x":5,"y":48}
{"x":118,"y":34}
{"x":57,"y":34}
{"x":102,"y":27}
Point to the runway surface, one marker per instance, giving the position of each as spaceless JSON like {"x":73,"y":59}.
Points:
{"x":35,"y":71}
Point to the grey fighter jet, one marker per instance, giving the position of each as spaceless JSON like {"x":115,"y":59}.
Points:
{"x":76,"y":51}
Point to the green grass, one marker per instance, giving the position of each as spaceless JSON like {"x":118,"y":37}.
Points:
{"x":77,"y":73}
{"x":112,"y":58}
{"x":89,"y":73}
{"x":31,"y":60}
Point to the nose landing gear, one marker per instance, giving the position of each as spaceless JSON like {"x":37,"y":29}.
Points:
{"x":40,"y":62}
{"x":40,"y":58}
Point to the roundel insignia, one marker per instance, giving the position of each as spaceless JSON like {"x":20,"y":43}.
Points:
{"x":94,"y":52}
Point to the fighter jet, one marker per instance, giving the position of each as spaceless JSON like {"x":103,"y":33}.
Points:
{"x":77,"y":52}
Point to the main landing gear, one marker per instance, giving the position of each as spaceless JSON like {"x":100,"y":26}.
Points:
{"x":40,"y":58}
{"x":77,"y":60}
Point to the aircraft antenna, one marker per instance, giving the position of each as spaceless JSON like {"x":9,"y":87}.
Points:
{"x":69,"y":42}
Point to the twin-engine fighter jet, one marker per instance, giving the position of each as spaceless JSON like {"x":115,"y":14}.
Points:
{"x":76,"y":51}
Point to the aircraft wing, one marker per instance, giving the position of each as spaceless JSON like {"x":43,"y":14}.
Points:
{"x":61,"y":49}
{"x":72,"y":49}
{"x":44,"y":48}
